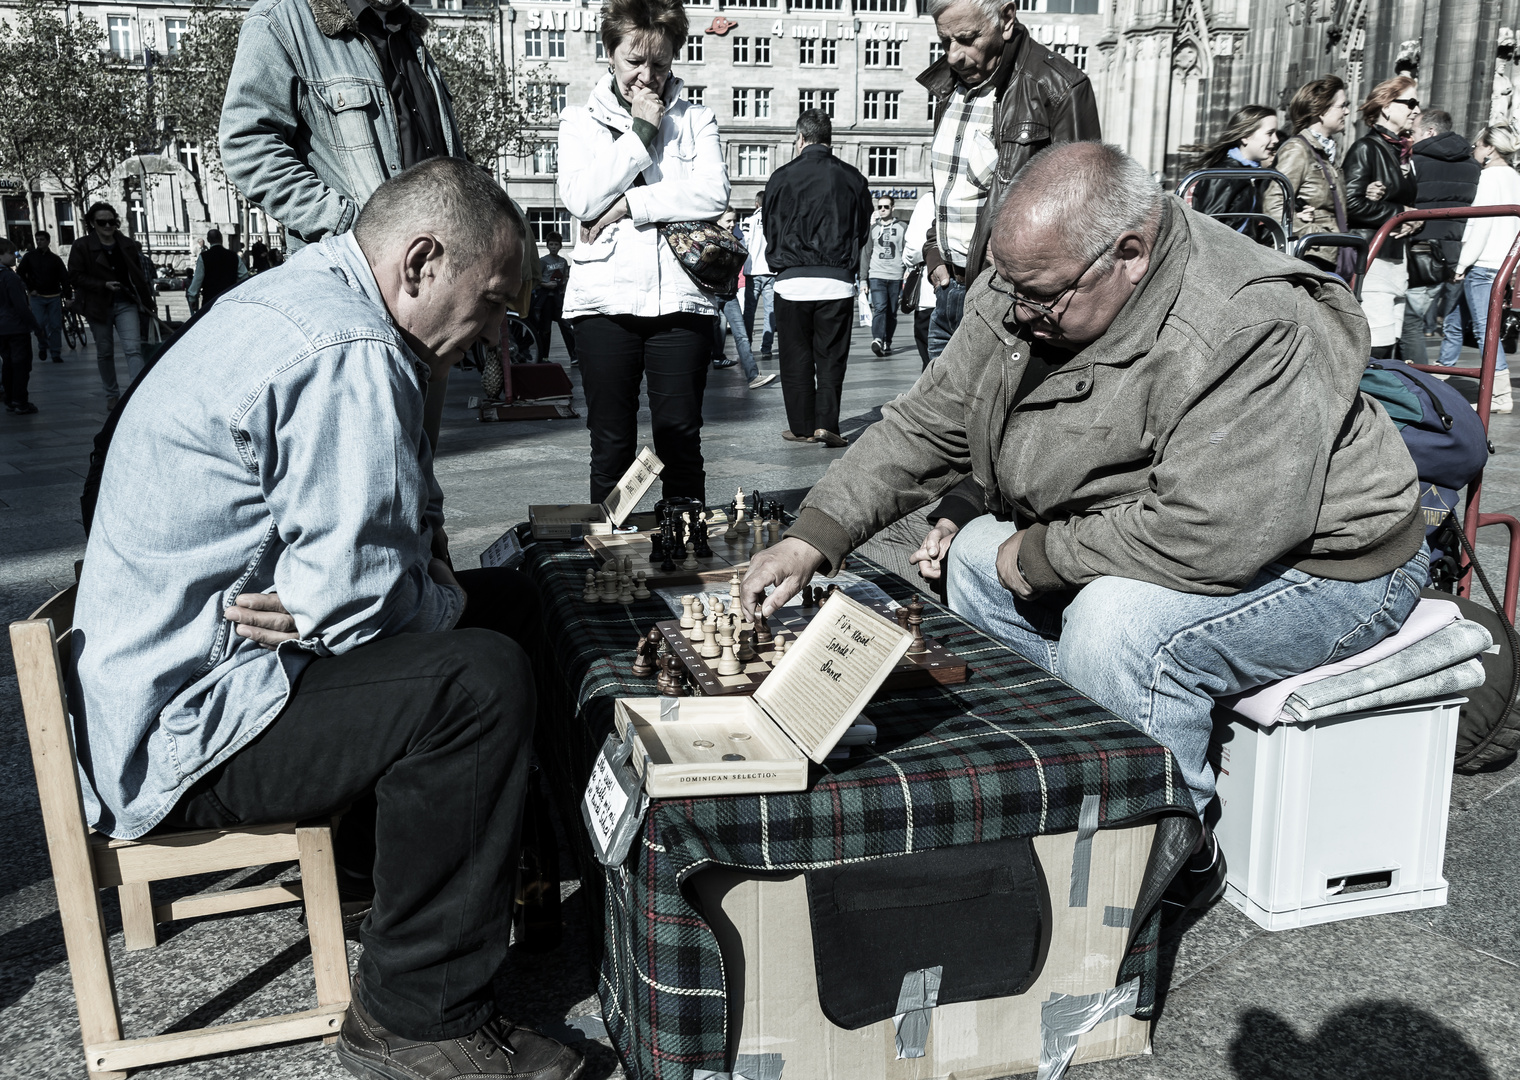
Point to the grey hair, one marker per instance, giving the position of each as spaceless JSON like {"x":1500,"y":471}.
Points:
{"x":456,"y":201}
{"x":1088,"y":194}
{"x":1502,"y":138}
{"x":991,"y":9}
{"x":814,"y":127}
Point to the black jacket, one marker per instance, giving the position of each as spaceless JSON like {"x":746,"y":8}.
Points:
{"x":221,"y":273}
{"x":1233,"y":196}
{"x":1446,"y":175}
{"x":90,"y":269}
{"x":817,"y":215}
{"x":43,"y":273}
{"x":1042,"y":100}
{"x":1372,"y":157}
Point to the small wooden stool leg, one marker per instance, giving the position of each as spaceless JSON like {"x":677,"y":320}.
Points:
{"x":138,"y":930}
{"x":324,"y":916}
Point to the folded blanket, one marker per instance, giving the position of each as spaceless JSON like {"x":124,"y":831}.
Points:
{"x":1317,"y":690}
{"x":1443,"y":683}
{"x":1265,"y":704}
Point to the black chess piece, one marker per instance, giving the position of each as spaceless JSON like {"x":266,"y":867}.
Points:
{"x":670,"y":682}
{"x":669,"y":547}
{"x":916,"y":625}
{"x":700,"y":546}
{"x":643,"y":665}
{"x":657,"y":539}
{"x":763,"y":634}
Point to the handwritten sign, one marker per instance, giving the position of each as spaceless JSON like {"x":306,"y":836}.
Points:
{"x":606,"y":802}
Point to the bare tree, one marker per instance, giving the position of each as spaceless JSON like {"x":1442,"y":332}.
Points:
{"x":193,"y":83}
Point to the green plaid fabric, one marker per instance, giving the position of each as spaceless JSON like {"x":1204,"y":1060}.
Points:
{"x":1009,"y":753}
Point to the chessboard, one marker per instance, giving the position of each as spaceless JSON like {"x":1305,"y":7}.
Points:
{"x":727,"y":555}
{"x":935,"y":666}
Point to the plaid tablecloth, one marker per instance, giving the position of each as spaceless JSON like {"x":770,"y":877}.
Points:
{"x":1011,"y":752}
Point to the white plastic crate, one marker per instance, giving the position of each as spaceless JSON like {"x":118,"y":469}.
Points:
{"x":1338,"y":818}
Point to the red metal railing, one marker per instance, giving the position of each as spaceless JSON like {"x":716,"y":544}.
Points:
{"x":1473,"y":518}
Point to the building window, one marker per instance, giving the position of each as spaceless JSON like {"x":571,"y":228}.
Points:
{"x":556,"y":45}
{"x":936,"y":51}
{"x":741,"y":50}
{"x":548,"y":96}
{"x":63,"y":213}
{"x":741,"y":103}
{"x":762,"y":50}
{"x":1077,"y":54}
{"x":547,"y":219}
{"x":174,"y":30}
{"x":695,"y":95}
{"x":1029,"y":5}
{"x":121,"y":35}
{"x":815,"y":5}
{"x":762,"y":104}
{"x":884,"y":54}
{"x":601,"y":47}
{"x":694,"y":48}
{"x":818,"y":52}
{"x":880,"y":104}
{"x":754,"y":160}
{"x":881,"y":161}
{"x":190,"y":158}
{"x":930,"y":116}
{"x":881,"y":5}
{"x":533,"y":44}
{"x":546,"y":158}
{"x":816,"y":99}
{"x":749,"y":3}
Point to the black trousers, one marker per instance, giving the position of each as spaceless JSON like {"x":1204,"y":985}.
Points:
{"x":921,"y":317}
{"x":428,"y":737}
{"x":16,"y":367}
{"x":814,"y":347}
{"x":616,"y":352}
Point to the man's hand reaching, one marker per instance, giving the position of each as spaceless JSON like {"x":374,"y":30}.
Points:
{"x":788,"y":566}
{"x":262,"y":618}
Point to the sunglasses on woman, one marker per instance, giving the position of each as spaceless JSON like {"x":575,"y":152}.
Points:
{"x":107,"y":223}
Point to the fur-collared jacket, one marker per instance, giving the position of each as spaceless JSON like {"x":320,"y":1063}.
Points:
{"x":308,"y":127}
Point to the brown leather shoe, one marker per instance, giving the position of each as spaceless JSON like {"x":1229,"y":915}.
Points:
{"x":497,"y":1048}
{"x":829,"y":438}
{"x":789,"y":437}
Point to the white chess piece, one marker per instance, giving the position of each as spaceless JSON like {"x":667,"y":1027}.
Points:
{"x":641,"y":585}
{"x":590,"y":594}
{"x":710,"y":639}
{"x":728,"y":664}
{"x":687,"y":620}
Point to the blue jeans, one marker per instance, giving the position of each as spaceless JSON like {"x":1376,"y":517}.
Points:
{"x":1159,"y":658}
{"x":124,"y":321}
{"x":48,"y":311}
{"x":1477,"y":287}
{"x":884,"y":296}
{"x":735,"y":316}
{"x":949,"y":307}
{"x":762,"y":311}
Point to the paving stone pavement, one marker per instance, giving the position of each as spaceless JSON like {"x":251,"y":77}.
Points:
{"x":1430,"y":994}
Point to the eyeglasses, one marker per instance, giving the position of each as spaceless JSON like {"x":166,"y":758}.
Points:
{"x":1407,"y":102}
{"x":1043,"y":311}
{"x":108,"y":223}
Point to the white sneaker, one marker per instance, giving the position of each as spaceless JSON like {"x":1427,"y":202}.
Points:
{"x":1503,"y":401}
{"x":760,"y":380}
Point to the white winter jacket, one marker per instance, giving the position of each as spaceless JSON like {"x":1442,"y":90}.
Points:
{"x":630,"y":269}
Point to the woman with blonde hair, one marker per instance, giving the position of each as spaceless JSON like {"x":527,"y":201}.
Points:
{"x":635,"y":156}
{"x":1380,"y":184}
{"x":1485,"y":244}
{"x":1317,"y":114}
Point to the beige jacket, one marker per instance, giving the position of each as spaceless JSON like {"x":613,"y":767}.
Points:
{"x":1295,"y":160}
{"x":1217,"y":426}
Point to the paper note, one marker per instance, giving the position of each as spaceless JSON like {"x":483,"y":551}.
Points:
{"x":632,"y":486}
{"x":507,"y":551}
{"x":606,"y":801}
{"x":829,"y":674}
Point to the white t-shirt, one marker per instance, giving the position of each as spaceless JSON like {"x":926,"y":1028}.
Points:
{"x":814,"y":288}
{"x":1487,"y":240}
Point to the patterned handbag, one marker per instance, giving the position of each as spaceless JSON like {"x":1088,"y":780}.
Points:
{"x":711,"y":255}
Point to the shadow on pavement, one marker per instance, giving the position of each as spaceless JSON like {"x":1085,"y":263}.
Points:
{"x":1372,"y":1040}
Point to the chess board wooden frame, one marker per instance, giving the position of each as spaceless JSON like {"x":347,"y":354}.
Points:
{"x":720,"y":566}
{"x":936,"y":667}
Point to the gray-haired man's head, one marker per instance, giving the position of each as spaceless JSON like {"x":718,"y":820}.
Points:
{"x":1074,"y":237}
{"x":974,"y":34}
{"x":446,"y":246}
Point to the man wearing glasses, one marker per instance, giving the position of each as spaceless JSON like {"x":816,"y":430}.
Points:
{"x":106,"y":271}
{"x":888,"y":237}
{"x":1186,"y":494}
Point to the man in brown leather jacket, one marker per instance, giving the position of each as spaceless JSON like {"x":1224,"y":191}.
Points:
{"x":1005,"y":97}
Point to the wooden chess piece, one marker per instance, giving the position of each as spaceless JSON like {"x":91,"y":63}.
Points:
{"x":762,"y":629}
{"x":756,"y":542}
{"x":733,"y":589}
{"x":688,"y":619}
{"x":591,"y":594}
{"x":916,"y":625}
{"x":728,"y":663}
{"x":643,"y":664}
{"x":731,"y":533}
{"x":901,"y":614}
{"x":690,"y":562}
{"x":780,"y":649}
{"x":625,"y":589}
{"x":670,"y":682}
{"x":641,"y":585}
{"x":667,"y":550}
{"x":746,"y":644}
{"x":699,"y":538}
{"x":808,"y":600}
{"x":710,"y":639}
{"x":609,"y":586}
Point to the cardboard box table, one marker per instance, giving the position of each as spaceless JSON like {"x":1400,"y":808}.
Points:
{"x":1012,"y":752}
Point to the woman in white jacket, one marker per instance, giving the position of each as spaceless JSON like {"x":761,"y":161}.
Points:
{"x":634,"y":156}
{"x":1485,"y":244}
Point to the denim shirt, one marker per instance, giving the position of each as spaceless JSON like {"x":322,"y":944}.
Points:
{"x":278,"y":446}
{"x":308,"y":127}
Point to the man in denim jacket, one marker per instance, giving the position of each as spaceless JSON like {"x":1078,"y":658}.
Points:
{"x":268,"y":629}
